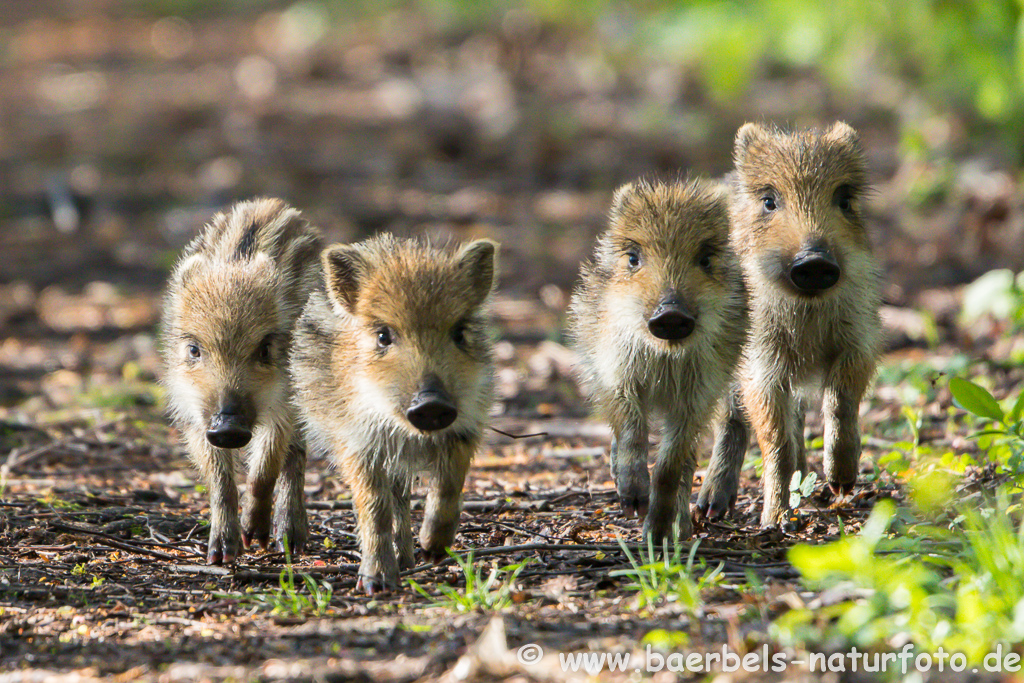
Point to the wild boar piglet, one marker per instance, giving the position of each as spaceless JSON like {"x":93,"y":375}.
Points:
{"x":798,"y":227}
{"x":228,"y":314}
{"x":392,"y":364}
{"x":659,"y":320}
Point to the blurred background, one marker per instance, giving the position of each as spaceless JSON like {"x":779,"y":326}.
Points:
{"x":125,"y":125}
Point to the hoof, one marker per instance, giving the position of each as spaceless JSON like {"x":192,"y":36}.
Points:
{"x":372,"y":585}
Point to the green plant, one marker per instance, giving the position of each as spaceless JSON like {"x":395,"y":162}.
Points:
{"x":929,"y":471}
{"x":289,"y":599}
{"x":492,"y":592}
{"x":664,"y":577}
{"x":801,"y":487}
{"x":50,"y":498}
{"x":998,"y":294}
{"x":954,"y":587}
{"x":1003,"y":436}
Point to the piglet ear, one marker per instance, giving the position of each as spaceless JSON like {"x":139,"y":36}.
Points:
{"x":344,"y":268}
{"x":477,"y":261}
{"x":187,"y":269}
{"x":620,"y":199}
{"x":749,"y":137}
{"x":842,"y":132}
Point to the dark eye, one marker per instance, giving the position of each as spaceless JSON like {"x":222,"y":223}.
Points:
{"x":704,"y":260}
{"x":844,"y":199}
{"x":768,"y":202}
{"x":193,"y":351}
{"x":459,"y":335}
{"x":384,"y":339}
{"x":265,"y":349}
{"x":633,"y":259}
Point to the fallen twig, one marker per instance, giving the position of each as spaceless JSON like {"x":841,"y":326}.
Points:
{"x":518,"y":436}
{"x":253,"y":574}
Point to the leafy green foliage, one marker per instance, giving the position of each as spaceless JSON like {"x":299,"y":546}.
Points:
{"x":662,"y":576}
{"x":801,"y":487}
{"x":956,"y":588}
{"x":968,"y":54}
{"x":975,"y":399}
{"x":490,"y":593}
{"x":954,"y":584}
{"x":1003,"y":436}
{"x":929,"y":471}
{"x":289,"y":599}
{"x":998,"y":294}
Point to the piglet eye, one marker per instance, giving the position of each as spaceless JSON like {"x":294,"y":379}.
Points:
{"x":384,"y":338}
{"x":265,"y":351}
{"x":459,"y":335}
{"x":768,"y":202}
{"x":704,"y":261}
{"x":633,"y":259}
{"x":844,"y":199}
{"x":193,"y":351}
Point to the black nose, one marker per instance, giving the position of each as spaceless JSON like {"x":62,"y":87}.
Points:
{"x":227,"y":431}
{"x":671,"y":322}
{"x":431,"y":410}
{"x":814,"y":271}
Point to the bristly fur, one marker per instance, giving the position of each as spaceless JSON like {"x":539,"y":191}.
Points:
{"x":353,"y":393}
{"x":628,"y":372}
{"x":239,"y":286}
{"x":799,"y":343}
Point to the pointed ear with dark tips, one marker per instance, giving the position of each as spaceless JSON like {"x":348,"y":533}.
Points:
{"x":619,"y":199}
{"x":478,"y":262}
{"x":343,"y":269}
{"x":747,"y":136}
{"x":185,"y":270}
{"x":842,"y":132}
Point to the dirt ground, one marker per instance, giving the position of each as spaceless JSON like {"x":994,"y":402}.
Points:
{"x":122,"y":130}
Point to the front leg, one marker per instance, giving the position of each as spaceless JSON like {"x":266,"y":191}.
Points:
{"x":448,"y":470}
{"x":718,"y":492}
{"x":290,"y":521}
{"x":672,"y":481}
{"x":629,"y":456}
{"x":372,"y":501}
{"x":400,"y":490}
{"x":844,"y":387}
{"x":217,"y":467}
{"x":770,"y":407}
{"x":266,"y":454}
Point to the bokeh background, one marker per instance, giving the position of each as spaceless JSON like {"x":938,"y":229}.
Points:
{"x":125,"y":125}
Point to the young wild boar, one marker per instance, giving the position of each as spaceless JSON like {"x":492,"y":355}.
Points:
{"x":231,"y":303}
{"x":393,"y":375}
{"x":798,"y":227}
{"x":659,"y":320}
